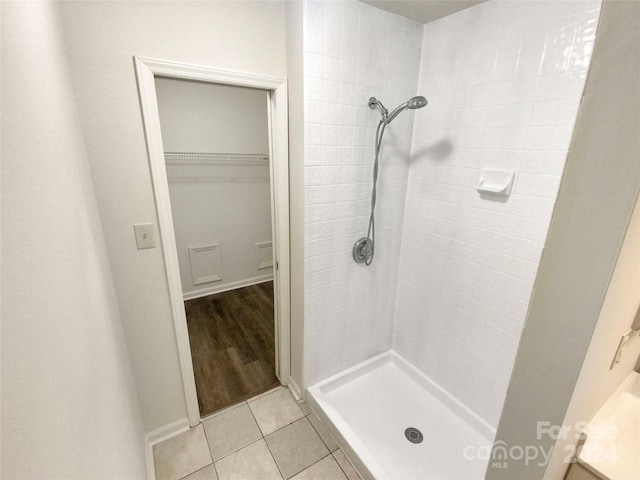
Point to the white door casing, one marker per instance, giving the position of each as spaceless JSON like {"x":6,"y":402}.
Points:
{"x":146,"y":71}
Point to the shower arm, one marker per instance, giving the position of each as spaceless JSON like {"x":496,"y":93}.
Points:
{"x":375,"y":104}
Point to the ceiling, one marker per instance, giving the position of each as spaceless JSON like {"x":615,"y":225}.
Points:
{"x":422,"y":11}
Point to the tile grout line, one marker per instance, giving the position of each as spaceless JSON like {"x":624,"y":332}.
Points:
{"x":213,"y":462}
{"x":239,"y":448}
{"x":309,"y":466}
{"x":267,"y":444}
{"x":343,"y":471}
{"x":262,"y":435}
{"x":232,"y":407}
{"x":210,"y":456}
{"x":316,"y":430}
{"x":315,"y":463}
{"x":279,"y":428}
{"x":246,"y":446}
{"x":259,"y":429}
{"x":182,"y":478}
{"x":209,"y":447}
{"x":284,"y":426}
{"x":215,"y":470}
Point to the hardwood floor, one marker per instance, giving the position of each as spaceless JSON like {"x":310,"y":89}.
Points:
{"x":232,"y":345}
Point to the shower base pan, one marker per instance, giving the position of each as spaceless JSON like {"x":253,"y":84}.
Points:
{"x":369,"y":407}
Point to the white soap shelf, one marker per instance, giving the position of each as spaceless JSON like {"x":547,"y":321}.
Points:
{"x":496,"y":182}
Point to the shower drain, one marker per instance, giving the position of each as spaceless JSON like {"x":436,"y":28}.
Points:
{"x":413,"y":435}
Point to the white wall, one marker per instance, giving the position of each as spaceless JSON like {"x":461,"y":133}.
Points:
{"x":207,"y":117}
{"x":217,"y":201}
{"x":102,"y":38}
{"x":504,"y":82}
{"x":235,"y":215}
{"x":352,"y":52}
{"x":597,"y":382}
{"x":599,"y":190}
{"x":69,"y":406}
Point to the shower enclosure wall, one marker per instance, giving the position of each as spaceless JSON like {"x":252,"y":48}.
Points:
{"x":353,"y":52}
{"x":454,"y":270}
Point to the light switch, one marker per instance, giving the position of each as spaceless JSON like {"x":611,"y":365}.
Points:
{"x":144,"y":235}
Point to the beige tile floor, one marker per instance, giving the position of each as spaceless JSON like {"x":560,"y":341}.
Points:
{"x":270,"y":436}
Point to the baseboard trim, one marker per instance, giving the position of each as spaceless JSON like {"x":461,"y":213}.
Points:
{"x":203,"y":292}
{"x":151,"y":466}
{"x":295,"y":389}
{"x":171,"y":430}
{"x":160,"y":435}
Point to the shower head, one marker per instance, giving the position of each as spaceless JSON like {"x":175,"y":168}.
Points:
{"x":412,"y":104}
{"x":416,"y":102}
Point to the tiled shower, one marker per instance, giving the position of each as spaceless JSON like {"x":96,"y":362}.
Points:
{"x":454,"y":270}
{"x":468,"y":263}
{"x":353,"y":52}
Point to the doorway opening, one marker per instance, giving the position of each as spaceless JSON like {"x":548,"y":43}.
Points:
{"x":217,"y":145}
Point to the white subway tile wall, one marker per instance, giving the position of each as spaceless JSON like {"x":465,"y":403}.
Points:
{"x":353,"y":52}
{"x":504,"y":82}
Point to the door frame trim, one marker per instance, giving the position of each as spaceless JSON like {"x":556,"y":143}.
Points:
{"x":146,"y":71}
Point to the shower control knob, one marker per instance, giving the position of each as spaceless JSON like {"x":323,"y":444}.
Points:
{"x":363,"y":250}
